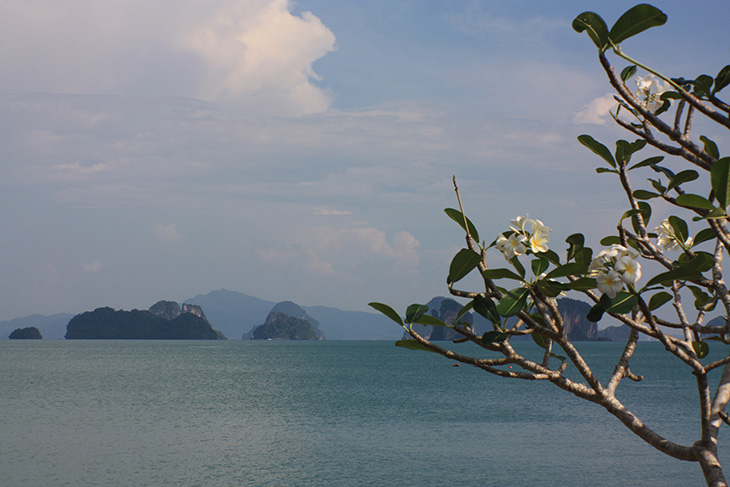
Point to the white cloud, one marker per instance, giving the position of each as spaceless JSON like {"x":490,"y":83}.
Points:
{"x":94,"y":266}
{"x":325,"y":210}
{"x":264,"y":54}
{"x":253,"y":53}
{"x":167,"y":232}
{"x":596,"y":111}
{"x":325,"y":250}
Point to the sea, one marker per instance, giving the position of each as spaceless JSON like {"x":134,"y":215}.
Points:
{"x":325,"y":413}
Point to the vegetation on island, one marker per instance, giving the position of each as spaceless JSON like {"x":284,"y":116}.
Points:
{"x":109,"y":324}
{"x":680,"y":173}
{"x":29,"y":333}
{"x":281,"y":326}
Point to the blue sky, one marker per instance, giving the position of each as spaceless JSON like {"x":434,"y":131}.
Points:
{"x":299,"y":150}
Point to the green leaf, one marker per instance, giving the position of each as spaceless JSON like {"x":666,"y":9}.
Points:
{"x":681,"y":273}
{"x":570,"y":269}
{"x":539,"y":266}
{"x":658,"y":186}
{"x":701,"y":348}
{"x":694,"y":201}
{"x":703,"y":85}
{"x":704,"y":235}
{"x":594,"y":26}
{"x":601,"y":170}
{"x":494,"y":337}
{"x":636,"y":20}
{"x":515,"y":261}
{"x":581,"y":284}
{"x":576,"y":243}
{"x":647,"y":162}
{"x":595,"y":313}
{"x":598,"y":149}
{"x":427,"y":320}
{"x":458,"y":217}
{"x":682,"y":177}
{"x":462,"y":264}
{"x":659,"y":299}
{"x":513,"y":302}
{"x":722,"y":79}
{"x":701,"y":262}
{"x":464,"y":310}
{"x":414,"y":311}
{"x":540,"y":340}
{"x":681,"y":231}
{"x":701,"y":297}
{"x":642,"y":194}
{"x":661,"y":169}
{"x":549,"y":288}
{"x":610,"y":240}
{"x":500,"y":274}
{"x":387,"y":311}
{"x":486,"y":307}
{"x":623,"y":303}
{"x":413,"y":344}
{"x":645,"y":209}
{"x":720,"y":177}
{"x":550,"y":256}
{"x":628,"y":72}
{"x":710,"y":147}
{"x":625,"y":149}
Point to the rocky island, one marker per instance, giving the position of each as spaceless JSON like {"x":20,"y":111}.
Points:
{"x":30,"y":333}
{"x":165,"y":320}
{"x":287,"y":321}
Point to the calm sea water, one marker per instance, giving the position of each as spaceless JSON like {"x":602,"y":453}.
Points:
{"x":164,"y":413}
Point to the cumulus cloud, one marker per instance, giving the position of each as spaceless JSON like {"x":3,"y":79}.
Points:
{"x":167,"y":232}
{"x":254,"y":54}
{"x":597,"y":111}
{"x":263,"y":52}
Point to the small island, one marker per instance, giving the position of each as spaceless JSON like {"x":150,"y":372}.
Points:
{"x":30,"y":333}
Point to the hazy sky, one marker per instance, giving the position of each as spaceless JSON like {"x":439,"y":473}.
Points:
{"x":299,"y":150}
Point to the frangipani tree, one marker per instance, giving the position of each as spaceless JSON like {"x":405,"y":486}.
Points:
{"x":519,"y":293}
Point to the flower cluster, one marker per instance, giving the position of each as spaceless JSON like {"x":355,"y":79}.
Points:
{"x":518,"y":242}
{"x":613,"y":268}
{"x":649,"y":91}
{"x":668,"y":240}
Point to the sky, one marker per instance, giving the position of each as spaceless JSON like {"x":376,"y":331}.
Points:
{"x":300,"y":150}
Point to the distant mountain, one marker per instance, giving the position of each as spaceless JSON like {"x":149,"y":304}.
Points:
{"x":237,"y":314}
{"x":52,"y":327}
{"x":231,"y":312}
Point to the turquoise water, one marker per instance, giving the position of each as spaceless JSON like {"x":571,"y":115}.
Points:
{"x":161,"y":413}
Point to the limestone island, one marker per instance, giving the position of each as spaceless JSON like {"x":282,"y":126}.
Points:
{"x":165,"y":320}
{"x":30,"y":333}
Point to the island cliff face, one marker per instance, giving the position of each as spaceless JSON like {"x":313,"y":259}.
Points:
{"x":163,"y":321}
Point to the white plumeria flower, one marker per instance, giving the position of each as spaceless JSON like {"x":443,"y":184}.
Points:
{"x":668,"y":240}
{"x":629,"y":269}
{"x":649,"y":91}
{"x":512,"y":246}
{"x":609,"y":283}
{"x":538,"y":242}
{"x":518,"y":224}
{"x":538,"y":226}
